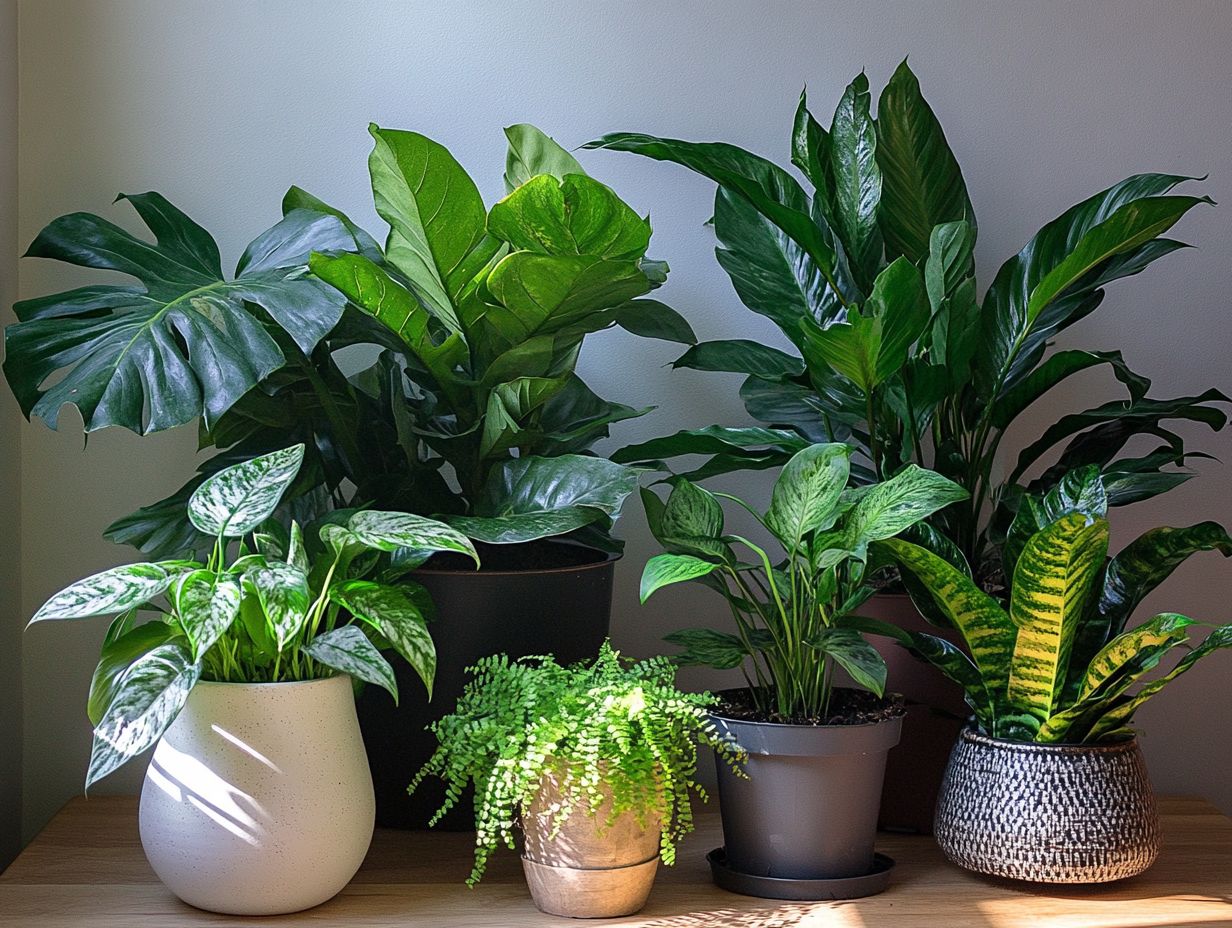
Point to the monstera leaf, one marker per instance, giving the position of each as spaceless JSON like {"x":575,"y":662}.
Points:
{"x":182,"y":343}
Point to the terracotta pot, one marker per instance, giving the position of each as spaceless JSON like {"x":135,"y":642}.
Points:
{"x":1052,"y":813}
{"x":936,"y":713}
{"x":258,"y":799}
{"x":584,"y":869}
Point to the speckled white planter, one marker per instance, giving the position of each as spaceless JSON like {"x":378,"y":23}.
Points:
{"x":258,"y":799}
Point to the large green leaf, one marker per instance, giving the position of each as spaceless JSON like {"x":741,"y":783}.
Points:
{"x":772,"y":274}
{"x":389,"y":531}
{"x":985,"y":626}
{"x":664,"y":569}
{"x":110,"y":591}
{"x":348,"y":650}
{"x":692,"y":512}
{"x":436,"y":217}
{"x":743,"y":357}
{"x":183,"y":343}
{"x":708,"y":648}
{"x":395,"y":614}
{"x":299,"y":198}
{"x":1011,"y":403}
{"x":1010,"y":315}
{"x":857,"y":179}
{"x":540,"y":294}
{"x":373,"y":290}
{"x":1052,"y":582}
{"x":206,"y":605}
{"x":950,"y":260}
{"x":148,"y":696}
{"x":805,"y":495}
{"x":922,"y":185}
{"x":116,"y":656}
{"x":573,"y":216}
{"x":532,"y":152}
{"x":872,"y":346}
{"x":849,"y":649}
{"x":652,"y":319}
{"x":712,"y":439}
{"x":893,"y":505}
{"x":767,"y":187}
{"x":535,"y":497}
{"x":810,"y":145}
{"x":234,"y":501}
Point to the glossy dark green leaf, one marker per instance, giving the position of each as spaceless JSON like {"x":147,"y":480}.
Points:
{"x":922,"y":185}
{"x":298,"y":198}
{"x":810,"y":148}
{"x":652,"y":319}
{"x":1059,"y":366}
{"x":856,"y":193}
{"x":741,"y":356}
{"x":712,"y":439}
{"x":182,"y":343}
{"x":691,"y":512}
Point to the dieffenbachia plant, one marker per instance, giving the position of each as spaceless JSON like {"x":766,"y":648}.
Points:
{"x":871,"y":277}
{"x":793,"y":614}
{"x":470,"y":406}
{"x":1060,"y":662}
{"x":264,"y":608}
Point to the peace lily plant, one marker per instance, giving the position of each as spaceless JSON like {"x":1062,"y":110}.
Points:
{"x":1061,"y":661}
{"x":794,"y":612}
{"x":267,"y":606}
{"x":871,"y":278}
{"x":468,"y":403}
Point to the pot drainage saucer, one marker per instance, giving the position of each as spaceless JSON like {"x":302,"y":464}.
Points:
{"x":773,"y":887}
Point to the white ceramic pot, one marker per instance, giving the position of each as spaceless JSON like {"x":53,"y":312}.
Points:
{"x":258,"y":799}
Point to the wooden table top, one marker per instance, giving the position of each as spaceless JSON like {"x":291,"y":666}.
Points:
{"x":87,"y":869}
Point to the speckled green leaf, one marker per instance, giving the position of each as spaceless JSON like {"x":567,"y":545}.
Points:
{"x":234,"y":501}
{"x":110,"y":591}
{"x":348,"y":650}
{"x":393,"y":613}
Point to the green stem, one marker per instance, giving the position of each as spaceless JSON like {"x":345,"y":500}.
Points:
{"x":870,"y":420}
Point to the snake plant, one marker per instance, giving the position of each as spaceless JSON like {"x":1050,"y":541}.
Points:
{"x":871,"y":277}
{"x":1060,"y":661}
{"x":791,"y":613}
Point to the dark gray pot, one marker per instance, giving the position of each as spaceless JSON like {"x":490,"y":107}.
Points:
{"x":808,"y":810}
{"x":1048,"y":813}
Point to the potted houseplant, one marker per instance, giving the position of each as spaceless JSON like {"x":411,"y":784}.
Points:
{"x":257,"y":799}
{"x":1048,"y":783}
{"x":593,"y":764}
{"x":803,"y":824}
{"x":470,"y":407}
{"x":871,"y":277}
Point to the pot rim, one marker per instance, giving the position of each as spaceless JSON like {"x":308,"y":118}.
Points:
{"x":606,"y":558}
{"x":796,"y":726}
{"x":281,"y":683}
{"x":970,"y":734}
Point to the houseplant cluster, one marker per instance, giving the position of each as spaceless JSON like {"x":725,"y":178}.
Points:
{"x":427,"y":538}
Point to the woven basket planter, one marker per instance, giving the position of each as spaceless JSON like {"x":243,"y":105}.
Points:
{"x":1047,"y":813}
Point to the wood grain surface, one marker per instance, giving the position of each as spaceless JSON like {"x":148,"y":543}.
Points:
{"x":87,"y":869}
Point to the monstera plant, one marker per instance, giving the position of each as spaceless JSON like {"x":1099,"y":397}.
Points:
{"x":871,"y":278}
{"x":464,"y":400}
{"x":1061,"y":661}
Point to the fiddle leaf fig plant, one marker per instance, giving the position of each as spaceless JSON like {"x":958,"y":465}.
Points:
{"x":466,"y":403}
{"x":264,"y":608}
{"x":794,"y":613}
{"x":1060,"y":660}
{"x":871,"y":278}
{"x":612,"y":730}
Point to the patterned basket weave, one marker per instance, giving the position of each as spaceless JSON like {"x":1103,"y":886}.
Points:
{"x":1047,"y":813}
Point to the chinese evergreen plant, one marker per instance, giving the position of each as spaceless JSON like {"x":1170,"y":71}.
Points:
{"x":612,"y":730}
{"x":794,"y":614}
{"x":264,"y":608}
{"x":1059,"y":661}
{"x":469,"y":404}
{"x":871,"y":277}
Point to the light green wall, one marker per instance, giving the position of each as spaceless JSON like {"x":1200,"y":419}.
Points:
{"x":222,"y":105}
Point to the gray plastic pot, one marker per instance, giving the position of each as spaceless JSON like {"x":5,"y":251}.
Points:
{"x":808,"y":810}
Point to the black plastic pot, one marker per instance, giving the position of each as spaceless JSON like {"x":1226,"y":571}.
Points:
{"x":804,"y":823}
{"x":506,"y":607}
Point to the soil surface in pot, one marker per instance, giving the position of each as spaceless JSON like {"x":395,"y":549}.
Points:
{"x":847,"y":707}
{"x":528,"y":555}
